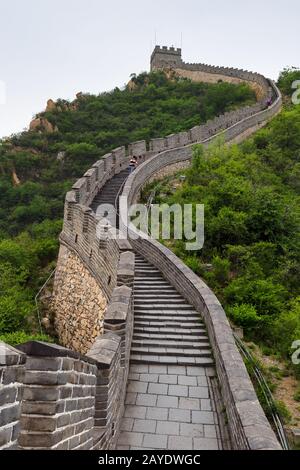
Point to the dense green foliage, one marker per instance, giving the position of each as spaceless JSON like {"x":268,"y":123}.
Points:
{"x":251,"y":255}
{"x":31,"y":212}
{"x":286,"y":79}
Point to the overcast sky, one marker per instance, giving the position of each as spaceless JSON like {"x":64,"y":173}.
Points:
{"x":56,"y":48}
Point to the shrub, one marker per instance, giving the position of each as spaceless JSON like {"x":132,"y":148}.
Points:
{"x":244,"y":315}
{"x":19,"y":337}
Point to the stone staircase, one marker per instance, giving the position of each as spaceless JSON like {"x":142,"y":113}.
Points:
{"x":167,"y":330}
{"x":110,"y":190}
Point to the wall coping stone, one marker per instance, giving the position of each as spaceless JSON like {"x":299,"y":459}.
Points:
{"x":43,"y":349}
{"x":10,"y":356}
{"x":119,"y":307}
{"x":104,"y":349}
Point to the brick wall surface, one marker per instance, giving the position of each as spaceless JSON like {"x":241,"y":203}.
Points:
{"x":12,"y":370}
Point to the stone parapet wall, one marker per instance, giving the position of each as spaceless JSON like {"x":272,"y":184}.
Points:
{"x":247,"y":423}
{"x":53,"y":398}
{"x":58,"y":399}
{"x":12,"y":371}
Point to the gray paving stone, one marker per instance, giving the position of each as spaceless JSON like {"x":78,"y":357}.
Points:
{"x":157,"y":413}
{"x":189,"y":403}
{"x":145,"y":399}
{"x":178,"y":390}
{"x":144,"y":425}
{"x":193,"y":370}
{"x":210,"y":371}
{"x":126,"y":424}
{"x":159,"y":389}
{"x":139,"y":368}
{"x":148,"y":377}
{"x":168,"y":359}
{"x":132,"y":411}
{"x":139,"y":387}
{"x":188,"y":380}
{"x":168,"y":427}
{"x":133,"y":376}
{"x":177,"y":370}
{"x":198,"y":392}
{"x":168,"y":379}
{"x":205,"y":404}
{"x":130,"y":438}
{"x":191,"y":430}
{"x":205,"y":443}
{"x":130,"y":398}
{"x":157,"y":369}
{"x":203,"y":417}
{"x":180,"y":443}
{"x":210,"y":430}
{"x":202,"y":381}
{"x":182,"y":416}
{"x":167,"y":402}
{"x":155,"y":441}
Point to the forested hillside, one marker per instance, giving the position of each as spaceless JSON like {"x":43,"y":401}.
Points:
{"x":37,"y":168}
{"x":251,"y":254}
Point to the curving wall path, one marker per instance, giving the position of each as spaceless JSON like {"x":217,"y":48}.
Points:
{"x":248,"y":426}
{"x":93,"y":265}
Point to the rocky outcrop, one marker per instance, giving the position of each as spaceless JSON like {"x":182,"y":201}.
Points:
{"x":41,"y":124}
{"x":51,"y":106}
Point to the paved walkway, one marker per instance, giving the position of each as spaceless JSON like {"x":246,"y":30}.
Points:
{"x":169,"y":407}
{"x":168,"y":402}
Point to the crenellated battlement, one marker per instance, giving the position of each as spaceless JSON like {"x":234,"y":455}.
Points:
{"x":165,"y":56}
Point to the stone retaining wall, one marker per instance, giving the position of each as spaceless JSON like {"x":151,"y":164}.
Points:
{"x":78,"y":303}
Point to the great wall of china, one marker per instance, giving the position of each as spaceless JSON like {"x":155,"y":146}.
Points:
{"x":148,"y":357}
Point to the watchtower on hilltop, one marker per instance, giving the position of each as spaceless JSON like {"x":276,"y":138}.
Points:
{"x":165,"y":57}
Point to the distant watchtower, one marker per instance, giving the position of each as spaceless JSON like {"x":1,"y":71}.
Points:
{"x":165,"y":57}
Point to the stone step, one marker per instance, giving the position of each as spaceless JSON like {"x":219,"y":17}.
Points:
{"x":165,"y":351}
{"x":165,"y":324}
{"x":171,"y":360}
{"x":167,"y":330}
{"x":153,"y":292}
{"x":153,"y":297}
{"x":145,"y":284}
{"x":170,"y":343}
{"x":155,"y":289}
{"x":165,"y":318}
{"x":162,"y":300}
{"x":163,"y":306}
{"x":178,"y":337}
{"x":143,"y":267}
{"x":146,"y":271}
{"x":150,"y":282}
{"x":157,"y":313}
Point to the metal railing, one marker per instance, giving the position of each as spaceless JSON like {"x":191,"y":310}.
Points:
{"x":37,"y":297}
{"x":267,"y":394}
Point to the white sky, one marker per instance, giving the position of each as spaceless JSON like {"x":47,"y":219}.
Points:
{"x":55,"y":48}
